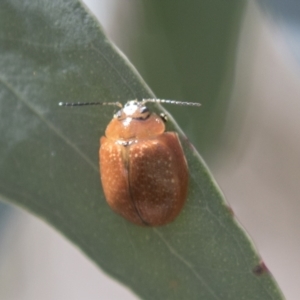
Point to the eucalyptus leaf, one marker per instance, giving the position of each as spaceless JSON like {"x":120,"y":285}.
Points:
{"x":52,"y":51}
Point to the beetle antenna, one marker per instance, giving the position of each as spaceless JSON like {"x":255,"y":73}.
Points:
{"x":171,"y":102}
{"x":89,"y":103}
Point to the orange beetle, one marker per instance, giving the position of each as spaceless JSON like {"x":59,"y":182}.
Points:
{"x":143,"y":169}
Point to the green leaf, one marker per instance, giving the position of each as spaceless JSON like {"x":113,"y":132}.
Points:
{"x":52,"y":51}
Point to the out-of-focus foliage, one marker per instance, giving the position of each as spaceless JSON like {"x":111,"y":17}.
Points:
{"x":186,"y":50}
{"x":285,"y":16}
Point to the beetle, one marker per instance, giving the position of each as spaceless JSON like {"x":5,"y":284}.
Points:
{"x":143,"y":170}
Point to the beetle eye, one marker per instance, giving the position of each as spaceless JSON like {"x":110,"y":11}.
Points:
{"x":144,"y":109}
{"x":164,"y":117}
{"x":118,"y":114}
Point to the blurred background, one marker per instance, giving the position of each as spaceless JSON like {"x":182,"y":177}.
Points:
{"x":241,"y":60}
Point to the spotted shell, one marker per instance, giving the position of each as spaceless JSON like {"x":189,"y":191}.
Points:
{"x":143,"y":169}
